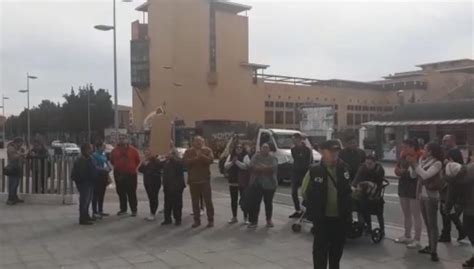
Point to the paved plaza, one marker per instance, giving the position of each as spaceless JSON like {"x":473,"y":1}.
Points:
{"x":47,"y":236}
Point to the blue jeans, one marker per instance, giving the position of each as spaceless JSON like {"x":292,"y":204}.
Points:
{"x":13,"y":183}
{"x":85,"y":197}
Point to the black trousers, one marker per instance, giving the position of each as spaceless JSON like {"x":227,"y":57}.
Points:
{"x":366,"y":207}
{"x":173,"y":205}
{"x":99,"y":194}
{"x":85,"y":197}
{"x":235,"y":192}
{"x":296,"y":181}
{"x":126,"y":186}
{"x":468,"y":222}
{"x":328,"y":244}
{"x":267,"y":196}
{"x":152,"y":188}
{"x":448,"y":218}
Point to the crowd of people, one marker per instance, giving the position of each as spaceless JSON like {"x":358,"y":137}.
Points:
{"x":432,"y":180}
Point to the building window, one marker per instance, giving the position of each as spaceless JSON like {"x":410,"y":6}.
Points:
{"x":289,"y":117}
{"x":372,"y":108}
{"x":289,"y":105}
{"x":268,"y":117}
{"x":379,"y":108}
{"x":350,"y":119}
{"x":365,"y":118}
{"x":268,"y":104}
{"x":365,"y":108}
{"x":279,"y":117}
{"x":357,"y":108}
{"x":358,"y":119}
{"x":297,"y":117}
{"x":335,"y":119}
{"x":280,"y":104}
{"x":350,"y":107}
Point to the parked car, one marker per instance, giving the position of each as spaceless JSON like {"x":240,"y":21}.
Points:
{"x":70,"y":149}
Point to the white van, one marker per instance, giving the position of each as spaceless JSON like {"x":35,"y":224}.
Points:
{"x":282,"y":140}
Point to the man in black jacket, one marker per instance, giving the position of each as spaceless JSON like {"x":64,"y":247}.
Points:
{"x":352,"y":155}
{"x":301,"y":161}
{"x":84,"y":175}
{"x":327,"y":192}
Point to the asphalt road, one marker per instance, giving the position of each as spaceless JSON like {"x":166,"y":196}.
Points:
{"x":393,"y":214}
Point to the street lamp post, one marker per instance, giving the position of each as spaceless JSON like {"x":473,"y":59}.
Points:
{"x":27,"y":91}
{"x":114,"y":29}
{"x":5,"y":122}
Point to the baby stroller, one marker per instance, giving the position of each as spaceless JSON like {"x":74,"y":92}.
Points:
{"x":374,"y":206}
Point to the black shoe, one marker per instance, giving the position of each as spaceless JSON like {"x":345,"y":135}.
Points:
{"x":425,"y":250}
{"x":104,"y":214}
{"x":462,"y":236}
{"x":9,"y":202}
{"x":469,"y":263}
{"x":166,"y":222}
{"x":134,"y":214}
{"x":19,"y":201}
{"x":91,"y":218}
{"x":86,"y":222}
{"x":444,"y":239}
{"x":121,"y":213}
{"x":434,"y":257}
{"x":177,"y":223}
{"x":296,"y":215}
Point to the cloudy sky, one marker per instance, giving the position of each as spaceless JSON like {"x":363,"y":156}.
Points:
{"x":55,"y":41}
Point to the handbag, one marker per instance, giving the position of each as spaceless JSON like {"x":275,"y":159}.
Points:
{"x":435,"y":183}
{"x":250,"y":197}
{"x":11,"y":170}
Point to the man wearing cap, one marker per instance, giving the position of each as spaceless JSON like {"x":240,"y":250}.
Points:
{"x":302,"y":158}
{"x":327,"y":193}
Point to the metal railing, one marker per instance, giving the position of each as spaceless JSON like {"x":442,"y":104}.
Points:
{"x":43,"y":176}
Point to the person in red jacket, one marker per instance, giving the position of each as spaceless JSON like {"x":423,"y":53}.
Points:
{"x":125,"y":160}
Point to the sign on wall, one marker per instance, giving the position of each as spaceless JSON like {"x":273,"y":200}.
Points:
{"x":317,"y":120}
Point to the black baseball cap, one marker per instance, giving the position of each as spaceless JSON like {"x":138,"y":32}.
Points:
{"x":330,"y":145}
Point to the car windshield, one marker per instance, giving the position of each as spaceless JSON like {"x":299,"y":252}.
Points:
{"x":284,"y":141}
{"x":70,"y":145}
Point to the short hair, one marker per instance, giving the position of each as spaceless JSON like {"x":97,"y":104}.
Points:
{"x":99,"y":144}
{"x":297,"y":136}
{"x":412,"y":143}
{"x":18,"y":140}
{"x":371,"y":157}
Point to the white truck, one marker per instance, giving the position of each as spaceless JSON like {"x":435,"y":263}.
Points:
{"x":282,"y":140}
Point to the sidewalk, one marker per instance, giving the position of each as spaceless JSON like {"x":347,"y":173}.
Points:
{"x":33,"y":236}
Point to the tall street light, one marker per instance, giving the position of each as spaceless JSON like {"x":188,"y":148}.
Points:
{"x":27,"y":91}
{"x":113,"y":27}
{"x":5,"y":122}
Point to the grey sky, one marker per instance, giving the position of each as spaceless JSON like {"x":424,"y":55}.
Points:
{"x":55,"y":41}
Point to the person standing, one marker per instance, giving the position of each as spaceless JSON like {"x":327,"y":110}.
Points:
{"x":236,"y":165}
{"x":173,"y":186}
{"x":327,"y":192}
{"x":462,"y":177}
{"x":38,"y":156}
{"x":15,"y":157}
{"x":452,"y":154}
{"x":302,"y":158}
{"x":263,"y":176}
{"x":353,"y":156}
{"x":198,"y":160}
{"x":151,"y":167}
{"x":125,"y":160}
{"x":101,"y":182}
{"x":84,"y":174}
{"x":407,"y":185}
{"x":428,"y":171}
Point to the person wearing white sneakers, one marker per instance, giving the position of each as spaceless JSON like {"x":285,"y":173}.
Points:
{"x":407,"y":194}
{"x":236,"y":165}
{"x":151,"y":168}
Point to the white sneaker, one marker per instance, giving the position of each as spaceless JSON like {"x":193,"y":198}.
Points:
{"x":414,"y":244}
{"x":403,"y":240}
{"x":202,"y":212}
{"x":150,"y":218}
{"x":232,"y":221}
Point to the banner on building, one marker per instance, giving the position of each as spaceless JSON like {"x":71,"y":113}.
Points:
{"x":317,"y":120}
